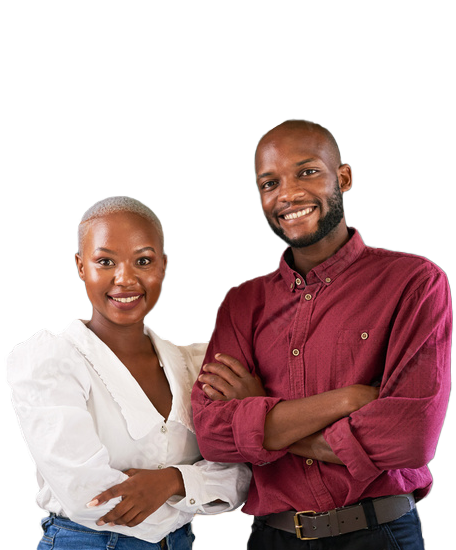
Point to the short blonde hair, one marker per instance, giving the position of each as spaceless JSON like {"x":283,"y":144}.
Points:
{"x":111,"y":205}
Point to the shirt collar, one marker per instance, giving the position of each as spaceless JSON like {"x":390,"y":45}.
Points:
{"x":139,"y":413}
{"x":326,"y":272}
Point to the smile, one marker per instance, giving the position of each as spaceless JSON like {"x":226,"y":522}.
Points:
{"x":126,"y":300}
{"x":294,"y":215}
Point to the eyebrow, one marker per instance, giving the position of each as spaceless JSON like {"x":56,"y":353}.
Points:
{"x":300,"y":163}
{"x":139,"y":251}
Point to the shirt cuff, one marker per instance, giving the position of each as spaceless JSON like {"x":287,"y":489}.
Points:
{"x":196,"y":494}
{"x":344,"y":444}
{"x":248,"y":430}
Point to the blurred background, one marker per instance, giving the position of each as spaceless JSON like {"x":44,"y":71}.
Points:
{"x":55,"y":168}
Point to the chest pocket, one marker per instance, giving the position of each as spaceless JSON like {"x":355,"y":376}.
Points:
{"x":359,"y":356}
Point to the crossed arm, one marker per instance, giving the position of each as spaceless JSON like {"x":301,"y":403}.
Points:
{"x":228,"y":379}
{"x":146,"y":490}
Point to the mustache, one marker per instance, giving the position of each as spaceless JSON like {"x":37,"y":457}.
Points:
{"x":293,"y":205}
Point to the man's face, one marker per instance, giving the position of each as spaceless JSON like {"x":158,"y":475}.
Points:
{"x":301,"y":185}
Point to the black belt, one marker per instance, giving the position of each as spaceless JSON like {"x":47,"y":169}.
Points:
{"x":363,"y":515}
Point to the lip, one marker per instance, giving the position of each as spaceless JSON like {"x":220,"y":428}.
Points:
{"x":134,"y":299}
{"x":290,"y":215}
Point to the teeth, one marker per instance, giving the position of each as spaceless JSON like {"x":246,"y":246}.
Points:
{"x":126,"y":300}
{"x":295,"y":215}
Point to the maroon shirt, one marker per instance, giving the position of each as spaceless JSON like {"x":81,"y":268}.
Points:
{"x":364,"y":316}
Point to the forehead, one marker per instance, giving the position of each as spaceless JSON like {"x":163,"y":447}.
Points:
{"x":289,"y":146}
{"x":121,"y":230}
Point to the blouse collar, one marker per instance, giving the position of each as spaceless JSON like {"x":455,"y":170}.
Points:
{"x":139,"y":413}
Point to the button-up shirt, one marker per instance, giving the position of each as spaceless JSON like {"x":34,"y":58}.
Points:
{"x":364,"y":316}
{"x":86,"y":420}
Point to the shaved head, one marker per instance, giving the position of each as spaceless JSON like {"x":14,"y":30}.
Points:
{"x":298,"y":129}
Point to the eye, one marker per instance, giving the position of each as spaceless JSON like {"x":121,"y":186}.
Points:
{"x":105,"y":262}
{"x":308,"y":172}
{"x":144,"y":261}
{"x":268,"y":184}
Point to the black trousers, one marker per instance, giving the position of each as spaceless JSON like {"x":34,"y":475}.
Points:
{"x":401,"y":534}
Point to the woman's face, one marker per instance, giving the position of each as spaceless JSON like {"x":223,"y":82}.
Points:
{"x":122,"y":265}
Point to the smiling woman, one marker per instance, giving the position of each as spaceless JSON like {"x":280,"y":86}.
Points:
{"x":105,"y":406}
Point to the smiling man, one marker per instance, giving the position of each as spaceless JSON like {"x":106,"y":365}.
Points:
{"x":331,"y":374}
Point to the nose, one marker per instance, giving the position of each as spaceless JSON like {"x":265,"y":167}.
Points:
{"x":290,"y":190}
{"x":124,"y":275}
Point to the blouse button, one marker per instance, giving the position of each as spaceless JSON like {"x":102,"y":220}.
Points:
{"x":328,"y":279}
{"x":295,"y":352}
{"x":163,"y":429}
{"x":192,"y":501}
{"x":298,"y":281}
{"x":364,"y":335}
{"x":308,"y":297}
{"x":309,"y":462}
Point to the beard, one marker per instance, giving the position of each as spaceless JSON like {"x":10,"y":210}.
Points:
{"x":325,"y":225}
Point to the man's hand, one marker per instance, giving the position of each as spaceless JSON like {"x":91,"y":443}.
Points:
{"x":142,"y":494}
{"x":229,"y":379}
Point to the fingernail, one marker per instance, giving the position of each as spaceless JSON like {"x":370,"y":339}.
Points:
{"x":100,"y":522}
{"x":111,"y":524}
{"x":92,"y":503}
{"x":217,"y":355}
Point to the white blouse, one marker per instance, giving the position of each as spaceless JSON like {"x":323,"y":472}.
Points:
{"x":86,"y":420}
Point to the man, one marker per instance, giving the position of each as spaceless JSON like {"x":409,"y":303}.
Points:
{"x":335,"y":314}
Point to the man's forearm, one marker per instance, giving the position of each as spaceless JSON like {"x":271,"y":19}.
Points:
{"x":315,"y":446}
{"x":291,"y":421}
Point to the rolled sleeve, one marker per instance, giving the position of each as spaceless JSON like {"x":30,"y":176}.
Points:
{"x":248,"y":430}
{"x":345,"y":445}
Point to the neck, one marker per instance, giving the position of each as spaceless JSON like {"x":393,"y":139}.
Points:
{"x":306,"y":258}
{"x":121,"y":339}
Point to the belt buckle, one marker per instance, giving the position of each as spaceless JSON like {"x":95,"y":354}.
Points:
{"x":298,"y":527}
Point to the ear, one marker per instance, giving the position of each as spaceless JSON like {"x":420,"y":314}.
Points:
{"x":165,"y":263}
{"x":344,"y":176}
{"x":79,"y":265}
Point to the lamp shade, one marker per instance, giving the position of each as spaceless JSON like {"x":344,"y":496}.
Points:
{"x":224,"y":172}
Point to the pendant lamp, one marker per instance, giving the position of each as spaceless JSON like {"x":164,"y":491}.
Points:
{"x":224,"y":171}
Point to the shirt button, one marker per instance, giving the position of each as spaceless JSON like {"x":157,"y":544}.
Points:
{"x":163,"y":429}
{"x":160,"y":466}
{"x":192,"y":501}
{"x":291,"y":286}
{"x":308,"y":297}
{"x":328,"y":279}
{"x":295,"y":352}
{"x":309,"y":462}
{"x":364,"y":335}
{"x":298,"y":281}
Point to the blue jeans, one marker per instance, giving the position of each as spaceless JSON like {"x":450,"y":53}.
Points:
{"x":402,"y":534}
{"x":64,"y":534}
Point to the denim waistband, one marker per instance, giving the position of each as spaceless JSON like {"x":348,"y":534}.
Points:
{"x":66,"y":523}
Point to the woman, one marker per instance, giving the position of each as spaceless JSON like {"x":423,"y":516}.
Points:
{"x":107,"y":402}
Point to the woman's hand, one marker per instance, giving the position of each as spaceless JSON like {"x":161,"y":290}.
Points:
{"x":142,"y":494}
{"x":229,"y":379}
